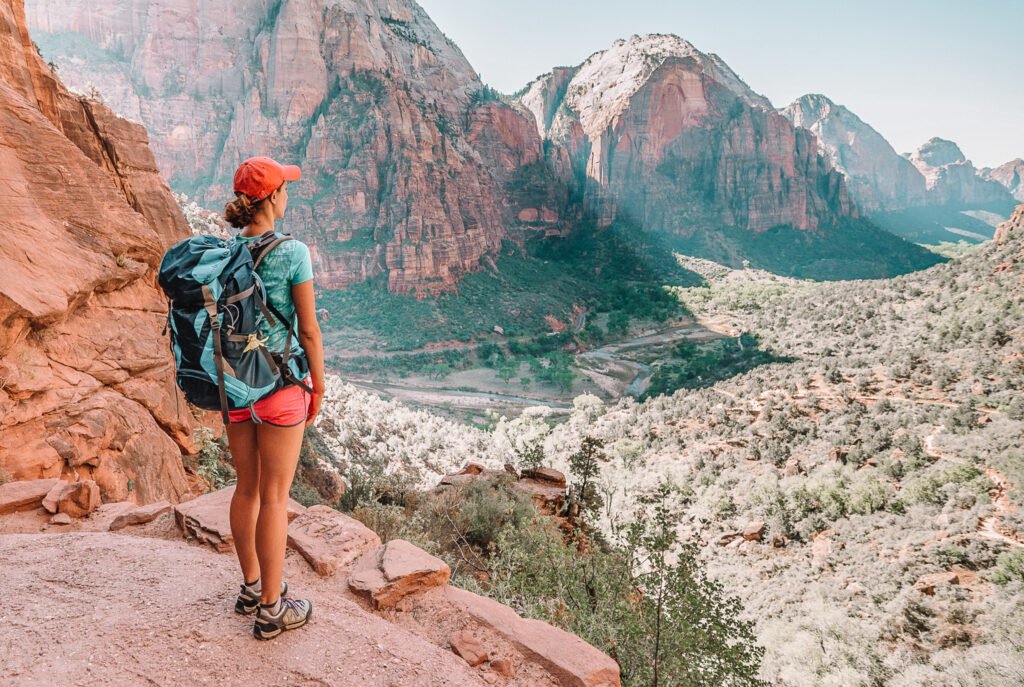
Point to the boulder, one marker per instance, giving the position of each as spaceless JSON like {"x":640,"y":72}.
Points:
{"x":141,"y":515}
{"x":546,"y":495}
{"x":468,"y":647}
{"x":25,"y":494}
{"x":545,"y":475}
{"x":568,"y":658}
{"x":328,"y":539}
{"x":395,"y":570}
{"x":206,"y":518}
{"x":53,"y":497}
{"x":727,"y":538}
{"x":78,"y":499}
{"x":502,"y":666}
{"x":60,"y":519}
{"x":926,"y":584}
{"x":754,"y":531}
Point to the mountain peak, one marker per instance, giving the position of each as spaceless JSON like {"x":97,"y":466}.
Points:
{"x":811,"y":108}
{"x":608,"y":78}
{"x":937,"y":152}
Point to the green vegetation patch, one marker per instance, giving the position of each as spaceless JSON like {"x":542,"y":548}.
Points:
{"x":596,"y":270}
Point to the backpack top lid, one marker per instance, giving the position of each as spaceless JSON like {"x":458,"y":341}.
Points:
{"x":199,"y":261}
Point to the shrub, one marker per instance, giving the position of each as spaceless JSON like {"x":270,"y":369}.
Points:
{"x":214,"y":466}
{"x":1009,"y":568}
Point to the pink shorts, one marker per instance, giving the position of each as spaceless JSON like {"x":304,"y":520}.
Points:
{"x":286,"y":408}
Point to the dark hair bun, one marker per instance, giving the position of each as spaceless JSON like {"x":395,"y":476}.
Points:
{"x":241,"y":211}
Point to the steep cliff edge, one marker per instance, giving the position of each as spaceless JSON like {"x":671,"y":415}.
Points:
{"x":86,"y":387}
{"x":405,"y":160}
{"x":384,"y":613}
{"x":932,"y":195}
{"x":1010,"y":175}
{"x":878,"y":177}
{"x":952,"y":178}
{"x":672,"y":139}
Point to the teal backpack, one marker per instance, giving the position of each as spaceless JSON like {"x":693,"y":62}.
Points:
{"x":216,"y":303}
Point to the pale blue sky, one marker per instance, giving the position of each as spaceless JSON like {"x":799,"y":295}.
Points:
{"x":912,"y":69}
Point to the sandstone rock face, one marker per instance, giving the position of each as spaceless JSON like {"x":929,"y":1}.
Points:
{"x":86,"y":388}
{"x":329,"y":540}
{"x":1010,"y":175}
{"x":569,"y":658}
{"x":25,"y":495}
{"x":140,"y":516}
{"x":382,"y":111}
{"x":672,"y":139}
{"x":394,"y":571}
{"x":878,"y":178}
{"x":952,"y":179}
{"x":207,"y":518}
{"x":1013,"y":228}
{"x":78,"y":499}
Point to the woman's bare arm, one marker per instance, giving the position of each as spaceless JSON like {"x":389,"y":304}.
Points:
{"x":309,"y":337}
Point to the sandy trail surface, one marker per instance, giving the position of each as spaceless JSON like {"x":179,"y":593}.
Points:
{"x":101,"y":608}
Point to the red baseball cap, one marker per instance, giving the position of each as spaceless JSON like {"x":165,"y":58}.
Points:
{"x":258,"y":177}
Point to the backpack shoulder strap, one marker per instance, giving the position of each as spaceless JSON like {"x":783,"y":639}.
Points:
{"x":260,"y":249}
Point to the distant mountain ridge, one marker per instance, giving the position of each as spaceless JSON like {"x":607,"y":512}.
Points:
{"x":1010,"y":175}
{"x":405,"y":159}
{"x":416,"y":172}
{"x":673,"y":139}
{"x":930,"y":195}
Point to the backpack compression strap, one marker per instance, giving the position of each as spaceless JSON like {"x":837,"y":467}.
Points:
{"x":218,"y":355}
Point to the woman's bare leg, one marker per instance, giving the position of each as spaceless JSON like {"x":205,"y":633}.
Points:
{"x":279,"y":454}
{"x":245,"y":504}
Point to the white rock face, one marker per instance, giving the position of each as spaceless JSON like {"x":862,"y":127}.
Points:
{"x":952,"y":178}
{"x":877,"y":176}
{"x":600,"y":89}
{"x":1010,"y":175}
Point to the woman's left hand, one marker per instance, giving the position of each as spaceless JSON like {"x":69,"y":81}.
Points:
{"x":314,"y":406}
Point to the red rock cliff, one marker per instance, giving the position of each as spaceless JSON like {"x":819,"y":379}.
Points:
{"x":86,"y":385}
{"x":672,"y":139}
{"x":379,"y":107}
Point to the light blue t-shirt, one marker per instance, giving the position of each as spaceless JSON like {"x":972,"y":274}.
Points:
{"x":282,"y":268}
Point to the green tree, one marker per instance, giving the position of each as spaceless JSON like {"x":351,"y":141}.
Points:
{"x":585,"y":468}
{"x":687,"y":633}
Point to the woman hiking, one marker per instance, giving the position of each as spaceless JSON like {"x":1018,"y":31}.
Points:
{"x":266,"y":450}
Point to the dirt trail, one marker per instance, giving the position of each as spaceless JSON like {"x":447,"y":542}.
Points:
{"x":990,"y":527}
{"x":98,"y":608}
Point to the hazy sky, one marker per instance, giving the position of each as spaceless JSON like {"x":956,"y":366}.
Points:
{"x":912,"y":69}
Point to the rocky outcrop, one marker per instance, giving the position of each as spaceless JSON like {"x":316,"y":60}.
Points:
{"x":330,"y":540}
{"x":207,"y":518}
{"x":1013,"y":228}
{"x":663,"y":135}
{"x":437,"y":634}
{"x":395,"y":570}
{"x":952,"y":179}
{"x":1009,"y":175}
{"x":878,"y":178}
{"x":405,"y":155}
{"x":86,"y":384}
{"x":25,"y":494}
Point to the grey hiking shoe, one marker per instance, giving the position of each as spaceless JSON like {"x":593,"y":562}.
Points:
{"x":291,"y":614}
{"x":249,"y":597}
